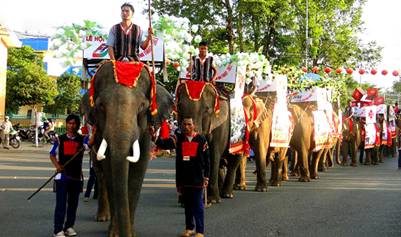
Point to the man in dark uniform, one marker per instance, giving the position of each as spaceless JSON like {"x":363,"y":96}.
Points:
{"x":68,"y":181}
{"x":201,"y":67}
{"x":192,"y":173}
{"x":126,"y":37}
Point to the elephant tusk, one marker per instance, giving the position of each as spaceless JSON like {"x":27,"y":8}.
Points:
{"x":136,"y":153}
{"x":102,"y":149}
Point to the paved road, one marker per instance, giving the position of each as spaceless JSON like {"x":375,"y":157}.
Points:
{"x":362,"y":201}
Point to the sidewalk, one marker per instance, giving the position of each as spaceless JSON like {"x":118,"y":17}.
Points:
{"x":28,"y":147}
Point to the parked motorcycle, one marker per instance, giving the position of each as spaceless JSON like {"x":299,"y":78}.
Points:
{"x":24,"y":133}
{"x":15,"y":140}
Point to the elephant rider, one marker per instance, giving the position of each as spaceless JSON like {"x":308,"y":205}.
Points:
{"x":192,"y":172}
{"x":126,"y":37}
{"x":201,"y":66}
{"x":68,"y":181}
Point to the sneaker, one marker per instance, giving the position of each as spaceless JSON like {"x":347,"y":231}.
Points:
{"x":70,"y":232}
{"x":188,"y":233}
{"x":59,"y":234}
{"x":86,"y":199}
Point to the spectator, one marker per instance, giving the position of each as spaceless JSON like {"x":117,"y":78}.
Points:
{"x":6,"y":127}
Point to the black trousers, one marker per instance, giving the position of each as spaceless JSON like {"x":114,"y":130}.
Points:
{"x":194,"y":209}
{"x":67,"y":196}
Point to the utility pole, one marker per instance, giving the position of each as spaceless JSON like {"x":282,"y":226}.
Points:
{"x":306,"y":33}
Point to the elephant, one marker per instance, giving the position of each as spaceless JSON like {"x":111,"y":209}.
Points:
{"x":212,"y":123}
{"x":351,"y":140}
{"x":122,"y":118}
{"x":302,"y":141}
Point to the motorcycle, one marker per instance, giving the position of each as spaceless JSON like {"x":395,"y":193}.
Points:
{"x":24,"y":133}
{"x":15,"y":140}
{"x":50,"y":138}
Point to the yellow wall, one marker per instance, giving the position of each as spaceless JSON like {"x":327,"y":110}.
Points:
{"x":3,"y":77}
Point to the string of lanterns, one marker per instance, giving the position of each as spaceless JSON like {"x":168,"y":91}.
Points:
{"x":350,"y":71}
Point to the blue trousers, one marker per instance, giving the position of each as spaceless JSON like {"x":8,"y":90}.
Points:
{"x":194,"y":209}
{"x":91,"y":183}
{"x":67,"y":196}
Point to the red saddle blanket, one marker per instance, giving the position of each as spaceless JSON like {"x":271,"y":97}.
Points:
{"x":127,"y":74}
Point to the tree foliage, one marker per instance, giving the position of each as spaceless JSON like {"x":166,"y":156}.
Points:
{"x":68,"y":95}
{"x":27,"y":81}
{"x":277,"y":28}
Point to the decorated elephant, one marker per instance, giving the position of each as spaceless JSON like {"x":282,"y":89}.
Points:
{"x":351,"y":140}
{"x":122,"y":102}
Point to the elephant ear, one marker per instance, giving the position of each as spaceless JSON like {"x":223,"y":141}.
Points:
{"x":221,"y":117}
{"x":164,"y":105}
{"x":86,"y":109}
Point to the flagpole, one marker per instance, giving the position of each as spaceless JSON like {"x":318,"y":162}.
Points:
{"x":151,"y":41}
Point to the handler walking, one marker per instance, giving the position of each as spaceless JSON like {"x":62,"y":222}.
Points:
{"x":192,"y":173}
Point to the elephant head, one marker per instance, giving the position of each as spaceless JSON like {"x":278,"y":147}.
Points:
{"x":122,"y":117}
{"x":202,"y":110}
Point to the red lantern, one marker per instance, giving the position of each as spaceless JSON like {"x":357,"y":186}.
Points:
{"x":327,"y":70}
{"x":304,"y":69}
{"x":315,"y":69}
{"x":396,"y":73}
{"x":349,"y":71}
{"x":373,"y":71}
{"x":361,"y":71}
{"x":384,"y":72}
{"x":176,"y":64}
{"x":339,"y":70}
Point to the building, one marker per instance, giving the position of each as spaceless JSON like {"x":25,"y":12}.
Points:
{"x":8,"y":39}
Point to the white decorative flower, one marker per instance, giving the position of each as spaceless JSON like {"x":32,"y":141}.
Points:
{"x":198,"y":39}
{"x":194,"y":29}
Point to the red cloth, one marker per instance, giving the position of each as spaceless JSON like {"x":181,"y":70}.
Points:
{"x":84,"y":130}
{"x":70,"y":147}
{"x":378,"y":140}
{"x":127,"y":73}
{"x":389,"y":138}
{"x":195,"y":89}
{"x":164,"y":130}
{"x":189,"y":148}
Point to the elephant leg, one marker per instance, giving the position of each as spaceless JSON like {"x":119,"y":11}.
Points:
{"x":285,"y":169}
{"x":304,"y":165}
{"x":222,"y":173}
{"x":274,"y":169}
{"x":278,"y":170}
{"x":260,"y":156}
{"x":240,"y":179}
{"x":354,"y":150}
{"x":213,"y":188}
{"x":103,"y":208}
{"x":294,"y":163}
{"x":361,"y":152}
{"x":232,"y":166}
{"x":322,"y":166}
{"x":345,"y":151}
{"x":337,"y":152}
{"x":381,"y":153}
{"x":368,"y":153}
{"x":375,"y":155}
{"x":315,"y":163}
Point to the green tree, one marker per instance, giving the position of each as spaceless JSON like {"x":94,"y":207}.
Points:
{"x":27,"y":81}
{"x":68,"y":95}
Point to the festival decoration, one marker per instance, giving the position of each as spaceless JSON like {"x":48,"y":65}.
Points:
{"x":361,"y":71}
{"x":304,"y":69}
{"x":395,"y":73}
{"x":339,"y":70}
{"x":327,"y":70}
{"x":349,"y":71}
{"x":384,"y":72}
{"x":373,"y":71}
{"x":315,"y":69}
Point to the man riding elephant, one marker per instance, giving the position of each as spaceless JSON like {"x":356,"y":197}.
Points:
{"x":125,"y":38}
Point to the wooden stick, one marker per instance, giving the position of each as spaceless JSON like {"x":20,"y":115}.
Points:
{"x":151,"y":37}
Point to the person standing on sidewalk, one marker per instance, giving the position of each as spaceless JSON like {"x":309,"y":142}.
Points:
{"x":192,"y":172}
{"x":6,"y":127}
{"x":69,"y":180}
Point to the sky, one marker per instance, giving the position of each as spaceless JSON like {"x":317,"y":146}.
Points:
{"x":381,"y":19}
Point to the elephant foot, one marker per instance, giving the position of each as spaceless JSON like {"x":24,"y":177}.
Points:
{"x":314,"y":176}
{"x":322,"y":169}
{"x":304,"y":179}
{"x":366,"y":163}
{"x":285,"y":178}
{"x":294,"y":173}
{"x":102,"y":217}
{"x":381,"y":161}
{"x":214,"y":200}
{"x":241,"y":187}
{"x":344,"y":164}
{"x":261,"y":188}
{"x":353,"y":165}
{"x":275,"y":183}
{"x":227,"y":195}
{"x":374,"y":163}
